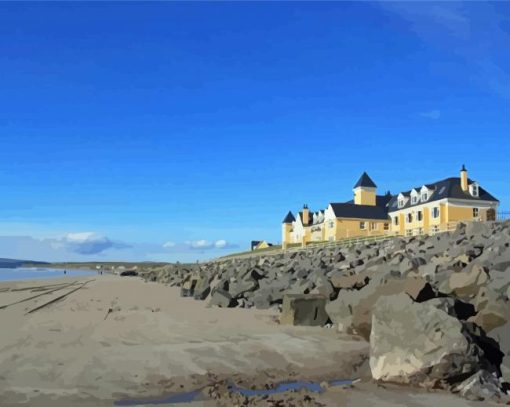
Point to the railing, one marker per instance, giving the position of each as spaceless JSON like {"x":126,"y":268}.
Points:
{"x":298,"y":247}
{"x":503,"y":215}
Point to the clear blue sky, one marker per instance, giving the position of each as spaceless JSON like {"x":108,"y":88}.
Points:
{"x":201,"y":124}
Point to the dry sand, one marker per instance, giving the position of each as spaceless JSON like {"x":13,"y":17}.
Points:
{"x":155,"y":343}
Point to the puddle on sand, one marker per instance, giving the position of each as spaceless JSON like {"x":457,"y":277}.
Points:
{"x":188,"y":397}
{"x":314,"y":387}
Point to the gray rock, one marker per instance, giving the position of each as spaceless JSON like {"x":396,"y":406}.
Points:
{"x":304,"y":309}
{"x":481,"y":386}
{"x":405,"y":350}
{"x":222,"y":298}
{"x":239,"y":287}
{"x":467,"y":283}
{"x":202,"y":289}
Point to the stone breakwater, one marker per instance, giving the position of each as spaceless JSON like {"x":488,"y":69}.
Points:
{"x":435,"y":309}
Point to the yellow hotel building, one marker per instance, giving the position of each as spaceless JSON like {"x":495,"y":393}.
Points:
{"x":429,"y":208}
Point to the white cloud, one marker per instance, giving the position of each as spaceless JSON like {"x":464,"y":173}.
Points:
{"x":89,"y":246}
{"x":220,"y":244}
{"x":87,"y":243}
{"x":433,"y":114}
{"x":199,"y":245}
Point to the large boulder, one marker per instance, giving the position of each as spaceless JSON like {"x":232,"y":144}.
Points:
{"x":304,"y":309}
{"x":492,"y":309}
{"x":222,"y":298}
{"x":239,"y":287}
{"x":481,"y":386}
{"x":466,"y":283}
{"x":417,"y":343}
{"x":352,"y":310}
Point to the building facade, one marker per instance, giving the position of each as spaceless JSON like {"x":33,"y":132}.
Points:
{"x":430,"y":208}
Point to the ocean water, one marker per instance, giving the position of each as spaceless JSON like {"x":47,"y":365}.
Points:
{"x":36,"y":273}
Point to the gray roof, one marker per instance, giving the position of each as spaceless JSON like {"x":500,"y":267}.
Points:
{"x":289,"y":218}
{"x":350,"y":210}
{"x":365,"y":181}
{"x":380,"y":200}
{"x":447,"y":188}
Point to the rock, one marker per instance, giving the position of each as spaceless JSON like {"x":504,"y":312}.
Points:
{"x":201,"y":289}
{"x":352,"y":310}
{"x":489,"y":319}
{"x":304,"y":309}
{"x":323,"y":287}
{"x":188,"y":287}
{"x":222,"y":298}
{"x":502,"y":335}
{"x":467,"y":283}
{"x":239,"y":287}
{"x":404,"y":349}
{"x":339,"y":280}
{"x":481,"y":386}
{"x":418,"y":289}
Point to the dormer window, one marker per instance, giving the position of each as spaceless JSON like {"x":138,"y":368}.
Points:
{"x":400,"y":203}
{"x":424,"y":196}
{"x":473,"y":189}
{"x":414,"y":199}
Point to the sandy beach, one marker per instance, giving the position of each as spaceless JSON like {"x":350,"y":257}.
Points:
{"x":114,"y":339}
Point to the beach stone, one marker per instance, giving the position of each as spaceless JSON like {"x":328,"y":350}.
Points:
{"x":352,"y":310}
{"x":222,"y":298}
{"x":418,"y":289}
{"x":481,"y":386}
{"x":339,"y":280}
{"x":404,"y":349}
{"x":240,"y":287}
{"x":201,"y":289}
{"x":467,"y":283}
{"x":323,"y":287}
{"x":304,"y":309}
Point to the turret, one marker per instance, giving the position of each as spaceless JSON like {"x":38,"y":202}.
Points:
{"x":287,"y":229}
{"x":365,"y":191}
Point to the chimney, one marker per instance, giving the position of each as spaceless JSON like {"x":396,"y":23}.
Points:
{"x":464,"y":178}
{"x":306,"y":214}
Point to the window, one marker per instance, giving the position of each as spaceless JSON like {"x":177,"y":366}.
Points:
{"x":435,"y":212}
{"x":409,"y":232}
{"x":400,"y":203}
{"x":409,"y":218}
{"x":331,"y":224}
{"x":362,"y":225}
{"x":386,"y":226}
{"x":395,"y":220}
{"x":424,"y":196}
{"x":373,"y":226}
{"x":414,"y":199}
{"x":420,"y":216}
{"x":475,"y":212}
{"x":474,"y":189}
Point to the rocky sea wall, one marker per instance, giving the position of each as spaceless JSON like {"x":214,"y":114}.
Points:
{"x":435,"y":309}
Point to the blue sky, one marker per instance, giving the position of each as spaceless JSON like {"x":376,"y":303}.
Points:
{"x":181,"y":131}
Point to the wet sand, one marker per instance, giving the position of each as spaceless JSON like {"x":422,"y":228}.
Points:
{"x":119,"y":338}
